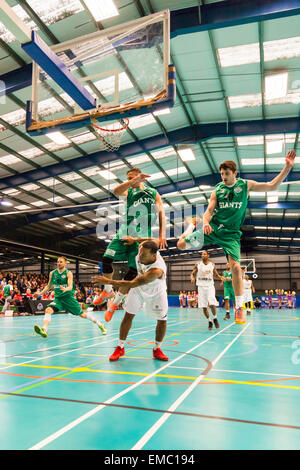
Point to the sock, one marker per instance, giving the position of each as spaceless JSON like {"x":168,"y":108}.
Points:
{"x":107,"y":288}
{"x":189,"y":230}
{"x":121,"y":343}
{"x":47,"y":317}
{"x":239,"y":301}
{"x":90,"y":317}
{"x":157,"y":344}
{"x":118,"y":298}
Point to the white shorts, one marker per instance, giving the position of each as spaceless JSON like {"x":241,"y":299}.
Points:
{"x":155,"y":307}
{"x":207,"y":296}
{"x":247,"y":297}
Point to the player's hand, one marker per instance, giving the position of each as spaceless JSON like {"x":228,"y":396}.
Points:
{"x":194,"y":220}
{"x":162,"y":242}
{"x":128,"y":240}
{"x":290,"y":158}
{"x":63,"y":289}
{"x":99,"y":279}
{"x":140,"y":178}
{"x":207,"y":229}
{"x":192,"y":280}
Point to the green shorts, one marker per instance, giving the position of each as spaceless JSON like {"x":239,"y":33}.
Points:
{"x":118,"y":251}
{"x":229,"y":292}
{"x":69,"y":304}
{"x":229,"y":240}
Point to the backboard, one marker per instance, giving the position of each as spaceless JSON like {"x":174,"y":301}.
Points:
{"x":114,"y":73}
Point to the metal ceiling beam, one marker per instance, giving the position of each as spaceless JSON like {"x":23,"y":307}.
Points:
{"x":191,"y":20}
{"x":187,"y":135}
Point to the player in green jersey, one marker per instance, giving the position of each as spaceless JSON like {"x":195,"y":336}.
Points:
{"x":7,"y":296}
{"x":143,"y":206}
{"x":228,"y":290}
{"x":61,"y":280}
{"x":224,"y":217}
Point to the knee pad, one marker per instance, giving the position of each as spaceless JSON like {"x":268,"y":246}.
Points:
{"x":131,"y":274}
{"x":107,"y":265}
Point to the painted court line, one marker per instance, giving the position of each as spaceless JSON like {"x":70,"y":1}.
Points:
{"x":41,"y":381}
{"x":92,"y":412}
{"x":145,"y":438}
{"x":112,"y":338}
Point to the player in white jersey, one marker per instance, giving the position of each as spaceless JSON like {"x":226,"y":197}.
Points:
{"x":248,"y":290}
{"x":203,"y":275}
{"x":148,"y":289}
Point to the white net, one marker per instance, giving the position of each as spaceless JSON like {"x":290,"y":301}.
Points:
{"x":109,"y":137}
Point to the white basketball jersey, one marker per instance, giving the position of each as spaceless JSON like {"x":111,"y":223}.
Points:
{"x":154,"y":287}
{"x":247,"y":285}
{"x":205,"y":274}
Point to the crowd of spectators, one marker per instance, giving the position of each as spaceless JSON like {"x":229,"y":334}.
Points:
{"x":22,"y":288}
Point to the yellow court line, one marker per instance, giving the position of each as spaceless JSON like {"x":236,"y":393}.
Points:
{"x":184,"y":377}
{"x":72,"y":370}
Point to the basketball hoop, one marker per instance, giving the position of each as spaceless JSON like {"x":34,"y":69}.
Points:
{"x":110,"y":137}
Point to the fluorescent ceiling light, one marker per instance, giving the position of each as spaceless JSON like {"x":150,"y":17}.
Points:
{"x":11,"y":191}
{"x":58,"y":138}
{"x":251,"y":140}
{"x":272,"y":196}
{"x":23,"y":207}
{"x":252,"y":161}
{"x":56,"y":199}
{"x":40,"y":203}
{"x":250,"y":53}
{"x":9,"y":160}
{"x":138,"y":160}
{"x":245,"y":101}
{"x":274,"y":146}
{"x":239,"y":55}
{"x":85,"y":222}
{"x":141,"y":121}
{"x":106,"y":174}
{"x":92,"y":190}
{"x":282,"y":49}
{"x":6,"y":203}
{"x":186,"y":155}
{"x":101,"y":10}
{"x":71,"y":176}
{"x":166,"y":152}
{"x":162,"y":112}
{"x":30,"y":187}
{"x":75,"y":195}
{"x":276,"y":85}
{"x":70,"y":225}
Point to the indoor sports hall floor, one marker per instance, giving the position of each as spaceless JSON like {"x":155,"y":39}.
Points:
{"x":232,"y":388}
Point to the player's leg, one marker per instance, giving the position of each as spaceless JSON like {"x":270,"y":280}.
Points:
{"x":119,"y":297}
{"x":161,"y":328}
{"x":238,"y":287}
{"x":43,"y":331}
{"x":123,"y":333}
{"x":132,"y":306}
{"x":107,"y":292}
{"x":88,"y":316}
{"x":6,"y":304}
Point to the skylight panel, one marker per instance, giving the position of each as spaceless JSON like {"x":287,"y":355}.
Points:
{"x":102,"y":10}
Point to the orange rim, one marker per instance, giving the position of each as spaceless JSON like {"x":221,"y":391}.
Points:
{"x":113,"y":130}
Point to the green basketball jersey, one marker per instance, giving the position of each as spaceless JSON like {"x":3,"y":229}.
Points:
{"x":140,"y":213}
{"x":61,"y":279}
{"x":7,"y":290}
{"x":231,"y":205}
{"x":227,"y":274}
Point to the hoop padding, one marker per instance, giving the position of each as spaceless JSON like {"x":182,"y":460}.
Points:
{"x":110,"y":138}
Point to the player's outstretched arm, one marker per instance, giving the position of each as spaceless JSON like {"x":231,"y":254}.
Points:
{"x":275,"y":183}
{"x":141,"y":280}
{"x":47,"y":287}
{"x":162,"y":222}
{"x":207,"y":229}
{"x":121,"y":189}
